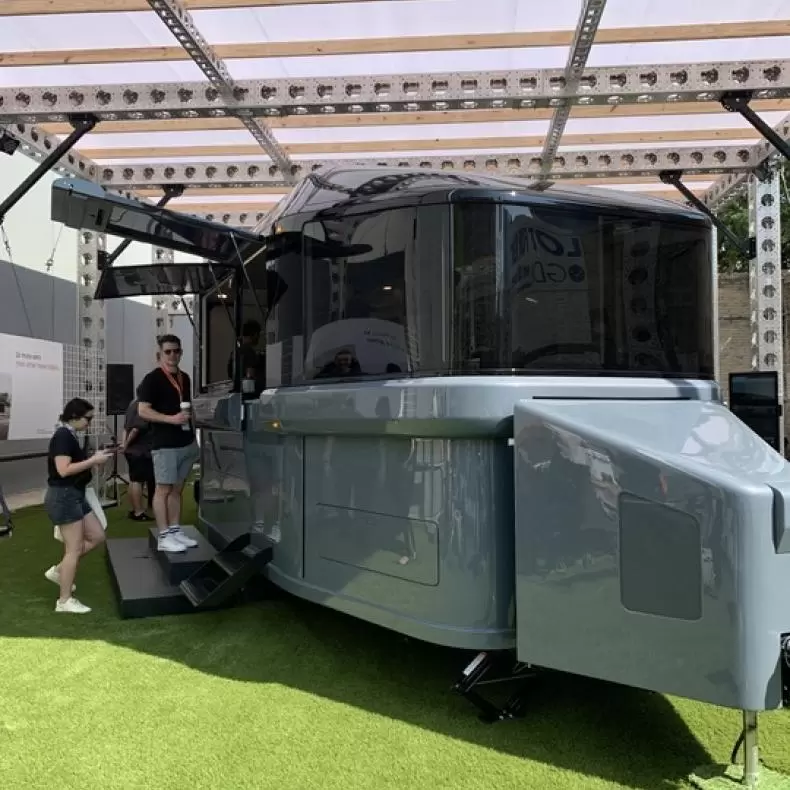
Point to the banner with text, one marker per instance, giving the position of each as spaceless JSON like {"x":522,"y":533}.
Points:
{"x":31,"y":387}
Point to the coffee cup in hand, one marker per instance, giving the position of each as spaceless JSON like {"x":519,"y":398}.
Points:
{"x":186,"y":409}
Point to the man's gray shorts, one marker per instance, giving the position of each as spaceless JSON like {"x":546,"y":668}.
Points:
{"x":172,"y":465}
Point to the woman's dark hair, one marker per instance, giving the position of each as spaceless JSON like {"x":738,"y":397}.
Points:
{"x":75,"y":409}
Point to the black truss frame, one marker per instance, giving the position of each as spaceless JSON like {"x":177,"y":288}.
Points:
{"x":82,"y":125}
{"x":748,"y":247}
{"x":105,"y":259}
{"x":733,"y":101}
{"x":739,"y":102}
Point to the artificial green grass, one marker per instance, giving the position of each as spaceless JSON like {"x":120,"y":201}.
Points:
{"x":285,"y":694}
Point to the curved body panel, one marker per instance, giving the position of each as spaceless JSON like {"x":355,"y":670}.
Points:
{"x":688,"y":594}
{"x":393,"y":501}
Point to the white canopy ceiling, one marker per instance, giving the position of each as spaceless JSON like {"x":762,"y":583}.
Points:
{"x":44,"y":46}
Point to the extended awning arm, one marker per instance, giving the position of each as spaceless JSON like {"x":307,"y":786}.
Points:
{"x":84,"y":205}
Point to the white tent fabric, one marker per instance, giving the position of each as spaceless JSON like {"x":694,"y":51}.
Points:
{"x":72,"y":37}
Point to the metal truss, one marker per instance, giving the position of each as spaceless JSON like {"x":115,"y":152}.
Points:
{"x":175,"y":15}
{"x":613,"y":86}
{"x":159,"y":305}
{"x":571,"y":164}
{"x":91,"y":314}
{"x":765,"y":277}
{"x":239,"y":219}
{"x":586,"y":28}
{"x":38,"y":145}
{"x":732,"y":184}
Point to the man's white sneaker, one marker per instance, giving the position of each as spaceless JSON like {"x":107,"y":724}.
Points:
{"x":72,"y":606}
{"x":53,"y":575}
{"x":169,"y":544}
{"x":182,"y":537}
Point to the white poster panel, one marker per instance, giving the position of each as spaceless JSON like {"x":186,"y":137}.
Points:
{"x":374,"y":344}
{"x":31,"y":387}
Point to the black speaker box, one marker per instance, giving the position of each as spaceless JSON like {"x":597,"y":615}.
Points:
{"x":120,"y":388}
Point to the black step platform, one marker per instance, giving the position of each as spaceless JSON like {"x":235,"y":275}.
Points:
{"x":149,"y":583}
{"x":140,"y":586}
{"x":177,"y":567}
{"x":228,"y":572}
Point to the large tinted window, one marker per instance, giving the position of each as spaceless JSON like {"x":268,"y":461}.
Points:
{"x":218,"y":332}
{"x":284,"y":340}
{"x":373,"y":302}
{"x":269,"y":323}
{"x":543,"y":289}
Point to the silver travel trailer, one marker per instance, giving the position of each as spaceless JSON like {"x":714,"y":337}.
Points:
{"x":486,"y":417}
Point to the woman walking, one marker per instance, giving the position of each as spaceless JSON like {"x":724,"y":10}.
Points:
{"x":69,"y":473}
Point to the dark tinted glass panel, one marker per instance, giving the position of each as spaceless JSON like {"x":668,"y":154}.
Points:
{"x":368,"y":297}
{"x":84,"y":205}
{"x":219,"y":332}
{"x":754,"y":399}
{"x":572,"y":291}
{"x":754,"y":389}
{"x":159,"y":280}
{"x":283,"y":303}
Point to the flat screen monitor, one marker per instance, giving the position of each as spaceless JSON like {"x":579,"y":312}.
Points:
{"x":754,"y":399}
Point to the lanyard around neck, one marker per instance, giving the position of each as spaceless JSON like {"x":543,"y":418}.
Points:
{"x":177,"y":384}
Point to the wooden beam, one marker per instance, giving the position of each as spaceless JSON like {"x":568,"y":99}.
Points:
{"x":426,"y":144}
{"x":46,"y":7}
{"x":399,"y":44}
{"x":419,"y":118}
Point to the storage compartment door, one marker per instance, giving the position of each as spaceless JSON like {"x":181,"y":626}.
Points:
{"x":646,"y":548}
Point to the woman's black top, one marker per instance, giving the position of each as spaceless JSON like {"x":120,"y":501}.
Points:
{"x":64,"y":442}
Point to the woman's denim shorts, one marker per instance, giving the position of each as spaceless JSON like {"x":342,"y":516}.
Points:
{"x":65,"y":505}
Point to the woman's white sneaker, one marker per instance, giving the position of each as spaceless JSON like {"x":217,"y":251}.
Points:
{"x":72,"y":606}
{"x":53,"y":575}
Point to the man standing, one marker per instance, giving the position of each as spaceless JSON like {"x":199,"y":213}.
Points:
{"x":136,"y":446}
{"x":164,"y":401}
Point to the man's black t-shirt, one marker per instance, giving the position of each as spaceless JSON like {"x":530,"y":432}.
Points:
{"x":157,"y":389}
{"x":64,"y":442}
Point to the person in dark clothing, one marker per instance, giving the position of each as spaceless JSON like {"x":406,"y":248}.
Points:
{"x":344,"y":364}
{"x":164,"y":402}
{"x":136,"y":447}
{"x":251,"y":360}
{"x":69,"y":473}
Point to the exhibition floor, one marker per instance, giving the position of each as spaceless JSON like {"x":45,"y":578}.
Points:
{"x":285,"y":694}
